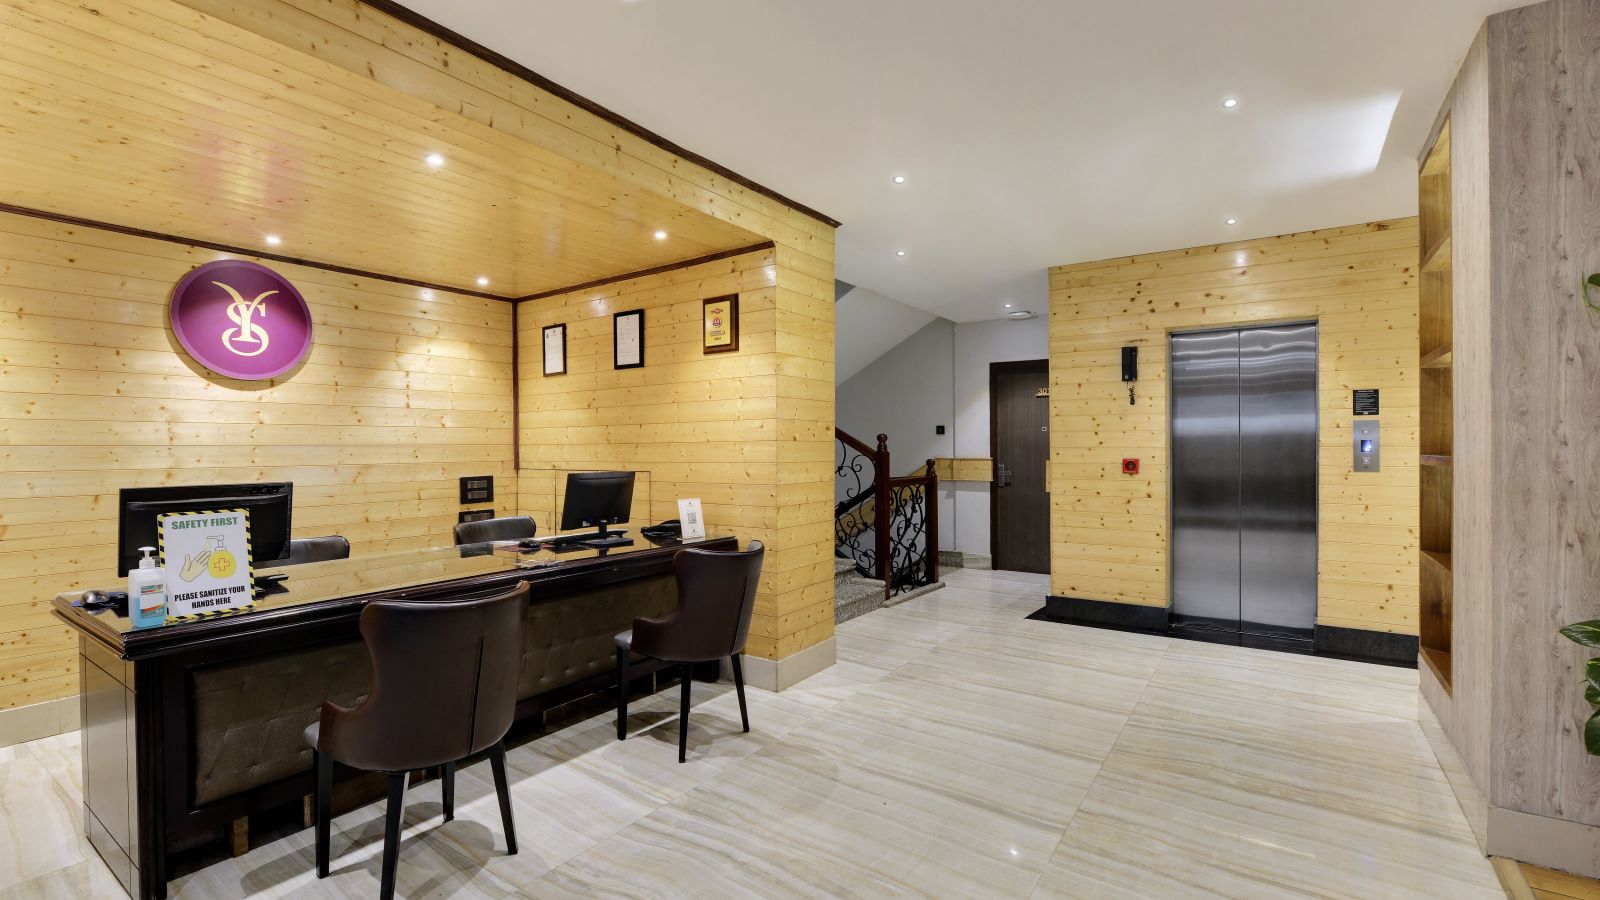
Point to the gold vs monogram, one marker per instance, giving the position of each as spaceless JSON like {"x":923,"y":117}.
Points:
{"x":248,"y":333}
{"x":219,"y":315}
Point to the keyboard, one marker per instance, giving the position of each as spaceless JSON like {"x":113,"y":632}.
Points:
{"x":592,"y":539}
{"x":607,"y":542}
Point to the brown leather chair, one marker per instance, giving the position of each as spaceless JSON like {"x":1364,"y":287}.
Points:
{"x":317,"y":549}
{"x":716,"y":596}
{"x":444,"y":687}
{"x":506,"y":528}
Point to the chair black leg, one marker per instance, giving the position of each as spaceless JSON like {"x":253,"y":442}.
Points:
{"x":622,"y":694}
{"x":447,"y":784}
{"x":323,"y":764}
{"x":497,"y":761}
{"x":391,"y":833}
{"x":738,"y":686}
{"x":683,"y":713}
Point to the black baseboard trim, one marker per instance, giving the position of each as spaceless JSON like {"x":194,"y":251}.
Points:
{"x":1372,"y":646}
{"x":1106,"y":614}
{"x":1380,"y":647}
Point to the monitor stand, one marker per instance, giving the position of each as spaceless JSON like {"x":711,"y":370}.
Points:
{"x":604,"y":538}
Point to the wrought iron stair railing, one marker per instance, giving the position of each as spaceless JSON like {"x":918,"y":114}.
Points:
{"x":887,"y":526}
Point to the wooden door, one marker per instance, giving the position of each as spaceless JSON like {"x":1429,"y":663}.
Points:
{"x":1020,"y":439}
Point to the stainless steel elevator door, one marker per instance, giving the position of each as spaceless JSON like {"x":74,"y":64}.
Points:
{"x":1278,"y":483}
{"x":1244,"y":480}
{"x":1205,"y":478}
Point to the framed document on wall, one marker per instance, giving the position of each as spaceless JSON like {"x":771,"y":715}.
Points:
{"x":721,"y":316}
{"x":627,"y":339}
{"x":555,"y":349}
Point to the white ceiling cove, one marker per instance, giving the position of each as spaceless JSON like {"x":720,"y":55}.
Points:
{"x":1030,"y":132}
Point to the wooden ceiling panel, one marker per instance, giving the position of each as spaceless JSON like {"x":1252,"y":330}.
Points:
{"x":127,"y":113}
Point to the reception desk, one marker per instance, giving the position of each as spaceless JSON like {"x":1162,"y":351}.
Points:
{"x":190,"y":727}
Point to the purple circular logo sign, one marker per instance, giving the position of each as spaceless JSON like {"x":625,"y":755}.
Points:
{"x":241,"y":320}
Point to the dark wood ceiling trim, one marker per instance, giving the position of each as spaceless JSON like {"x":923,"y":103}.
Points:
{"x":500,"y":61}
{"x":699,"y":260}
{"x":516,"y":398}
{"x":243,"y":251}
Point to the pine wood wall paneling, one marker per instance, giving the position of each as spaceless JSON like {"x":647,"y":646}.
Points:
{"x":795,"y":608}
{"x":742,"y":431}
{"x":1109,"y":531}
{"x":433,"y":83}
{"x":399,"y":398}
{"x":146,"y":100}
{"x":353,"y":36}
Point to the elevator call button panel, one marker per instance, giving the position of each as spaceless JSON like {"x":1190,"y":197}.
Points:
{"x":1366,"y":445}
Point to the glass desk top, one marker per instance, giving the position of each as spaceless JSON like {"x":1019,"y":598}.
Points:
{"x":387,"y":572}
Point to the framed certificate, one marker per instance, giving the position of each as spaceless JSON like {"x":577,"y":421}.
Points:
{"x":555,"y":349}
{"x":721,"y":315}
{"x":627,"y":339}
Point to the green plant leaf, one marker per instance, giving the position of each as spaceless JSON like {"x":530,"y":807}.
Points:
{"x":1594,"y":281}
{"x":1591,"y":694}
{"x":1591,"y":735}
{"x":1585,"y":633}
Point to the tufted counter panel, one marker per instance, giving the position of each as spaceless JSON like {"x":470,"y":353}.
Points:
{"x":249,"y":715}
{"x":189,"y":727}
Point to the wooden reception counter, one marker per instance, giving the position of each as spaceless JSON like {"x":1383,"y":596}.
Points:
{"x":190,"y":727}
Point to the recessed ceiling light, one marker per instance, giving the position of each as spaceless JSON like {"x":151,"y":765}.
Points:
{"x":1231,"y":221}
{"x":899,"y":253}
{"x":273,"y":240}
{"x":482,"y":281}
{"x":434,"y":159}
{"x":1008,"y":306}
{"x":661,"y":235}
{"x":1231,"y":103}
{"x":427,"y":294}
{"x":899,"y":179}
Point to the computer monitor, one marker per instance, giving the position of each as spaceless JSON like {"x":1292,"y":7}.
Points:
{"x":596,"y":499}
{"x":269,"y":504}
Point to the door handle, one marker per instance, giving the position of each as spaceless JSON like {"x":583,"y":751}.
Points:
{"x":1002,"y":476}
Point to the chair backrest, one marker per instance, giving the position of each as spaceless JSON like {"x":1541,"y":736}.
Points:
{"x":716,"y":597}
{"x":507,"y":528}
{"x":444,"y":682}
{"x":317,"y":549}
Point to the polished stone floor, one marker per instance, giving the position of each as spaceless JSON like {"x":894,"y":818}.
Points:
{"x":956,"y":750}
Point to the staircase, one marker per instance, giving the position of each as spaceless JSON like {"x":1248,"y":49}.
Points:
{"x":854,"y":594}
{"x":886,"y":530}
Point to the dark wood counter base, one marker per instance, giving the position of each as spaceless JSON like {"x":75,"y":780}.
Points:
{"x":188,"y":729}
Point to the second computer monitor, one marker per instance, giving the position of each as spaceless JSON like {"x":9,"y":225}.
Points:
{"x":596,"y":499}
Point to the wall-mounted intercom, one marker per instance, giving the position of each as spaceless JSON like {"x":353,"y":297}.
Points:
{"x":1130,"y":369}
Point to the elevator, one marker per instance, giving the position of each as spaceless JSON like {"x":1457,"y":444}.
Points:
{"x":1243,"y":408}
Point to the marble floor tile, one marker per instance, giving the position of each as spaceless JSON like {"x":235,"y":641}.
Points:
{"x":41,"y":827}
{"x":957,"y":749}
{"x":61,"y":755}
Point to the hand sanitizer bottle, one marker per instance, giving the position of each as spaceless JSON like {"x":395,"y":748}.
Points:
{"x":147,"y":592}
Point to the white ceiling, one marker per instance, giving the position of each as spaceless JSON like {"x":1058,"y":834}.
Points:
{"x":1031,"y":132}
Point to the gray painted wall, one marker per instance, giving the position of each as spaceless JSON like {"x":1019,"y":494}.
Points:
{"x":940,"y":376}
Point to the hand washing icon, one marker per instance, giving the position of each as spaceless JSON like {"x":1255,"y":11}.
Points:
{"x":222,"y":563}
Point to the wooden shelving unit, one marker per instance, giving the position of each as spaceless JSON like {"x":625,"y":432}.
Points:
{"x":1437,"y":414}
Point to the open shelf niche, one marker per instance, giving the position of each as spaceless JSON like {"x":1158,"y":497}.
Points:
{"x":1437,"y":429}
